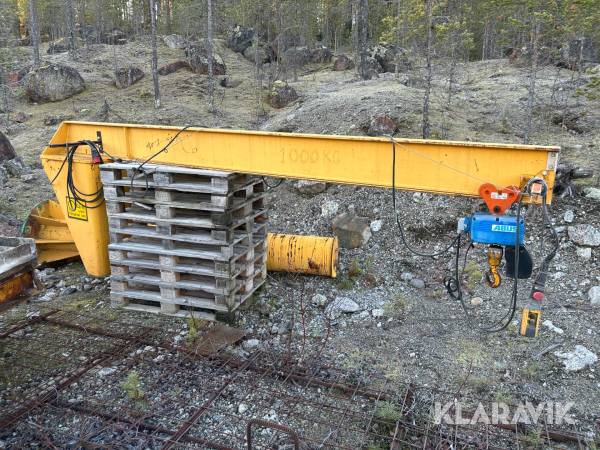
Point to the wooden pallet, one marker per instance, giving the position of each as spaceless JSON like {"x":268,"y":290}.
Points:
{"x":174,"y":178}
{"x":168,"y":215}
{"x":184,"y":240}
{"x":170,"y":298}
{"x":184,"y":200}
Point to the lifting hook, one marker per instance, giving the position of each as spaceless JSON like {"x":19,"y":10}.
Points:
{"x":494,"y":257}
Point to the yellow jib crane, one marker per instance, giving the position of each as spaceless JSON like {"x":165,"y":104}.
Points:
{"x":503,"y":175}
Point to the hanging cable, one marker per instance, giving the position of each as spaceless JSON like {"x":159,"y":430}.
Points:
{"x":540,"y":279}
{"x":78,"y":197}
{"x":75,"y":196}
{"x":399,"y":223}
{"x":272,"y":186}
{"x":453,"y":286}
{"x":162,"y":150}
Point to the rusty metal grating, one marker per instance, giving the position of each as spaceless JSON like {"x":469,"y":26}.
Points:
{"x":73,"y":380}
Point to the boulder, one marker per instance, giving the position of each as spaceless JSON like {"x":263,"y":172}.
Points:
{"x":265,"y":53}
{"x":198,"y":57}
{"x":572,"y":121}
{"x":15,"y":167}
{"x":584,"y":234}
{"x":175,"y":41}
{"x":342,"y":62}
{"x":308,"y":187}
{"x":114,"y":37}
{"x":388,"y":56}
{"x":578,"y":359}
{"x":61,"y":45}
{"x":339,"y":306}
{"x":296,"y":56}
{"x":240,"y":38}
{"x":21,"y":117}
{"x":592,"y":193}
{"x":369,"y":68}
{"x":126,"y":76}
{"x":352,"y":231}
{"x":52,"y":83}
{"x":282,"y":94}
{"x":227,"y":82}
{"x":381,"y":125}
{"x":173,"y":67}
{"x":320,"y":54}
{"x":7,"y":151}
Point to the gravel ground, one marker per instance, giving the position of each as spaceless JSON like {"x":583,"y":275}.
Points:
{"x":403,"y":327}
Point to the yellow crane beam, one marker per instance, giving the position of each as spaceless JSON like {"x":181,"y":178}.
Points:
{"x":453,"y":168}
{"x":445,"y":167}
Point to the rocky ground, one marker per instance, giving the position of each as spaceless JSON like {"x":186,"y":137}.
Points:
{"x":387,"y":313}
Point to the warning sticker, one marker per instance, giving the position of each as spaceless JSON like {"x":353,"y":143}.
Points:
{"x":76,"y":209}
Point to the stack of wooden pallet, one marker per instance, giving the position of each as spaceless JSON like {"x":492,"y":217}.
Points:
{"x":184,"y":240}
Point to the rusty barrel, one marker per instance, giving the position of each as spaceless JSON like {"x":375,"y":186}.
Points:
{"x":313,"y":255}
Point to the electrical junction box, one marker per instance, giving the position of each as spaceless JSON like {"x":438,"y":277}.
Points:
{"x":490,"y":229}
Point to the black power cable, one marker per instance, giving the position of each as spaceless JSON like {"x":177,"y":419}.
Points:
{"x":453,"y":285}
{"x":399,"y":223}
{"x":162,"y":150}
{"x":272,"y":186}
{"x":76,"y":196}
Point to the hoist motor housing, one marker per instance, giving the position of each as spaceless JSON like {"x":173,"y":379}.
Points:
{"x":491,"y":229}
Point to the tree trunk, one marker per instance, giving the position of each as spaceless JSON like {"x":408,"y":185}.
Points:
{"x":99,"y":21}
{"x":83,"y":31}
{"x":168,"y":14}
{"x":360,"y":31}
{"x":258,"y":78}
{"x":211,"y":76}
{"x":71,"y":27}
{"x":34,"y":33}
{"x":398,"y":35}
{"x":154,"y":55}
{"x":426,"y":124}
{"x":532,"y":79}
